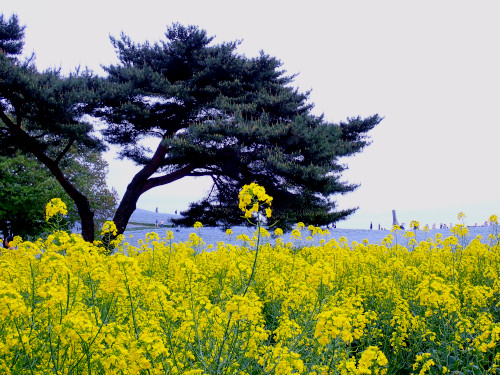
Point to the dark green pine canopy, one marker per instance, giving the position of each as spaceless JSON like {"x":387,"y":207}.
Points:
{"x":11,"y":36}
{"x":236,"y":119}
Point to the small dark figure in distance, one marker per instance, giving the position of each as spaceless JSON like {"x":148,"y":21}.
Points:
{"x":7,"y":242}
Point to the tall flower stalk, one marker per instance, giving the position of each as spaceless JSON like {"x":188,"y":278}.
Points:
{"x":54,"y":212}
{"x":254,"y":201}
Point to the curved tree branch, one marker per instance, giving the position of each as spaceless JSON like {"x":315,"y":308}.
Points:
{"x":166,"y":179}
{"x":65,"y":151}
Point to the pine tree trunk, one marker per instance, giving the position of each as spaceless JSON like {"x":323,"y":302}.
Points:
{"x":87,"y":219}
{"x":81,"y":201}
{"x":134,"y":190}
{"x":143,"y":181}
{"x":127,"y":206}
{"x":139,"y":185}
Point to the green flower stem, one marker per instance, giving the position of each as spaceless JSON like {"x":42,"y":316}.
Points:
{"x":22,"y":343}
{"x":219,"y":355}
{"x":255,"y":259}
{"x":200,"y":349}
{"x":136,"y":328}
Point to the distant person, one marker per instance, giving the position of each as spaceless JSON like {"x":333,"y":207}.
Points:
{"x":156,"y":223}
{"x":156,"y":209}
{"x":176,"y":212}
{"x":371,"y":225}
{"x":379,"y":227}
{"x":161,"y":223}
{"x":7,"y":242}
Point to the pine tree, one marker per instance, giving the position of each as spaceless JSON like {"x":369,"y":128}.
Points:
{"x":216,"y":113}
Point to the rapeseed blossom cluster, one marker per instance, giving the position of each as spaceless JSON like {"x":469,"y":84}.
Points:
{"x":167,"y":307}
{"x":54,"y":207}
{"x":251,"y":197}
{"x":109,"y":227}
{"x":414,"y":224}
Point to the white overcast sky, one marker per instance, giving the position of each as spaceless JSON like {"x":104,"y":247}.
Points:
{"x":430,"y":68}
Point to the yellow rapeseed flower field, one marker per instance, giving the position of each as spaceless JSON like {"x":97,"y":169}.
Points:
{"x":168,"y":307}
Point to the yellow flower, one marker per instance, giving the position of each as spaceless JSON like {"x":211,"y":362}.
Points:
{"x":409,"y":234}
{"x":252,"y":197}
{"x":268,"y":212}
{"x":198,"y":225}
{"x":371,"y":357}
{"x":461,"y":215}
{"x":263,"y":232}
{"x":296,"y":234}
{"x":229,"y":232}
{"x":243,"y":237}
{"x":109,"y":227}
{"x":493,"y":219}
{"x":278,"y":232}
{"x":460,"y":230}
{"x":54,"y":207}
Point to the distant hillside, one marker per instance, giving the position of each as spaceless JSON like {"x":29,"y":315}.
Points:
{"x":141,"y":216}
